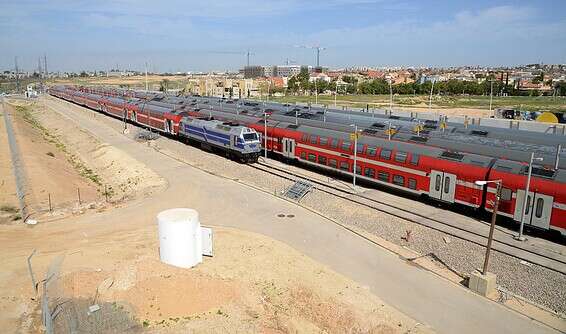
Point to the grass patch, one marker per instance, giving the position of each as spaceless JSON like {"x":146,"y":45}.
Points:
{"x":527,"y":103}
{"x":8,"y":208}
{"x":73,"y":159}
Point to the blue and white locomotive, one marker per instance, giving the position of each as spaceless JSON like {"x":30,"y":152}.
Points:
{"x":237,"y":141}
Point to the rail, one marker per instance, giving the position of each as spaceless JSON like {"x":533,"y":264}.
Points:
{"x":539,"y":257}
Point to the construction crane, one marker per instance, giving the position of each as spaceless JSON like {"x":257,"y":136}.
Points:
{"x":246,"y":53}
{"x":317,"y":48}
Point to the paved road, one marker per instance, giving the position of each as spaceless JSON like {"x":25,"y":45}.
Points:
{"x":444,"y":306}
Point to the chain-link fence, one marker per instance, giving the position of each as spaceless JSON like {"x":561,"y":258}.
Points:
{"x":63,"y":312}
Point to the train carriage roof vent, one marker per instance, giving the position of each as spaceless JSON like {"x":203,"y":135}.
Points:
{"x":418,"y":139}
{"x":479,"y":133}
{"x":452,"y":155}
{"x":540,"y":171}
{"x":292,"y":126}
{"x":378,"y":125}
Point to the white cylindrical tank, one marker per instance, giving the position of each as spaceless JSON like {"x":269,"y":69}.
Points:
{"x":180,"y":237}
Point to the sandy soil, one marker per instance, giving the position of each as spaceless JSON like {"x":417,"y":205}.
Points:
{"x":62,"y":161}
{"x":253,"y":284}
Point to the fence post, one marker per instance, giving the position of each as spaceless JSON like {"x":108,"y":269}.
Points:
{"x":50,"y":207}
{"x":79,"y":195}
{"x":31,"y":272}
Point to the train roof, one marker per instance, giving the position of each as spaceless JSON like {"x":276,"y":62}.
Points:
{"x":489,"y":141}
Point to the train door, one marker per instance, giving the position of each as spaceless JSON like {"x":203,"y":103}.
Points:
{"x":442,"y":186}
{"x":537,"y":210}
{"x":233,"y":141}
{"x":288,"y":148}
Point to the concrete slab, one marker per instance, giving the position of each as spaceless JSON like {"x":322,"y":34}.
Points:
{"x":484,"y":285}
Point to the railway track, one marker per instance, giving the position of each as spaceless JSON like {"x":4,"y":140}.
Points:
{"x":544,"y":258}
{"x":519,"y":250}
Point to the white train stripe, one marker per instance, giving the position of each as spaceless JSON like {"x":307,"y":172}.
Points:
{"x":374,"y":162}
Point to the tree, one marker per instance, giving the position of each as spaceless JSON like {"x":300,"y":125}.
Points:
{"x":164,"y":85}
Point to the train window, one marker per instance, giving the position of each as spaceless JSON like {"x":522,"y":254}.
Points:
{"x":313,"y":140}
{"x":401,"y":156}
{"x":303,"y":155}
{"x":312,"y":157}
{"x":346,"y":145}
{"x":334,"y":143}
{"x":385,"y":154}
{"x":399,"y":180}
{"x":412,"y":183}
{"x":322,"y":160}
{"x":506,"y":194}
{"x":371,"y":151}
{"x":383,"y":176}
{"x":528,"y":207}
{"x":323,"y":141}
{"x":360,"y":148}
{"x":344,"y":165}
{"x":369,"y":172}
{"x":305,"y":138}
{"x":540,"y":206}
{"x":358,"y":169}
{"x":437,"y":182}
{"x":332,"y":163}
{"x":414,"y":159}
{"x":446,"y":185}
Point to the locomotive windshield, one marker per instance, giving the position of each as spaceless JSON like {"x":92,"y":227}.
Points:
{"x":250,"y":136}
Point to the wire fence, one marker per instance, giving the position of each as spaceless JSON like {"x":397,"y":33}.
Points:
{"x":66,"y":312}
{"x":17,"y":165}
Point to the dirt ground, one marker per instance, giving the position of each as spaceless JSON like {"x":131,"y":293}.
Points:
{"x":63,"y":162}
{"x":252,"y":284}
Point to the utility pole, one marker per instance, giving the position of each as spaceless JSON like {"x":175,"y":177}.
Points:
{"x":45,"y":65}
{"x":17,"y":74}
{"x":146,"y":85}
{"x":390,"y":98}
{"x":491,"y":96}
{"x":430,"y":100}
{"x":39,"y":72}
{"x":355,"y":153}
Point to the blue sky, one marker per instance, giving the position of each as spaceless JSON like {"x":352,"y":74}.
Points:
{"x":197,"y":35}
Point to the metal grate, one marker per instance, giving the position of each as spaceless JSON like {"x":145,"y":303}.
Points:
{"x":298,"y":190}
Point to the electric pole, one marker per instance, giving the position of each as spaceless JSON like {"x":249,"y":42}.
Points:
{"x":45,"y":65}
{"x":17,"y":74}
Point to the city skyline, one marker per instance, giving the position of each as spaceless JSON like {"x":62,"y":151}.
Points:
{"x":190,"y":36}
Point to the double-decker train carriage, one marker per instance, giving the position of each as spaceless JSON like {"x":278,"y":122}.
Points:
{"x":236,"y":141}
{"x":440,"y":164}
{"x":445,"y":175}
